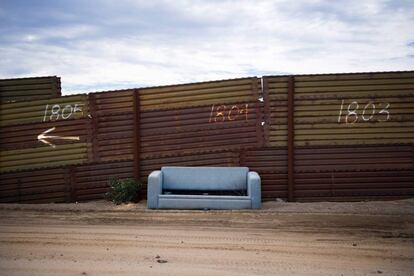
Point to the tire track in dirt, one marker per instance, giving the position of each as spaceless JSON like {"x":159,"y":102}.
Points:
{"x":44,"y":242}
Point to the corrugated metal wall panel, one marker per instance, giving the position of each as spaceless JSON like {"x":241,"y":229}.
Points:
{"x":343,"y":109}
{"x":43,"y":156}
{"x":12,"y":90}
{"x":275,"y":94}
{"x":34,"y":186}
{"x":104,"y":123}
{"x":184,"y":131}
{"x":355,"y":171}
{"x":22,"y":122}
{"x":338,"y":114}
{"x":91,"y":181}
{"x":357,"y":158}
{"x":25,"y":136}
{"x":199,"y":94}
{"x":113,"y":117}
{"x":39,"y":111}
{"x":271,"y":164}
{"x":335,"y":151}
{"x":200,"y":118}
{"x":354,"y":109}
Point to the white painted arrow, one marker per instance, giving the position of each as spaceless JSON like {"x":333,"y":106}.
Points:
{"x":42,"y":136}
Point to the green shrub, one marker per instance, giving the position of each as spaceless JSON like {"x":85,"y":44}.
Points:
{"x":123,"y":190}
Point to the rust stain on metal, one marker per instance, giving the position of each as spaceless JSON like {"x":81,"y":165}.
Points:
{"x":291,"y":139}
{"x":24,"y":89}
{"x":40,"y":111}
{"x":137,"y":135}
{"x":210,"y":117}
{"x":115,"y":125}
{"x":271,"y":164}
{"x":277,"y":93}
{"x":266,"y":110}
{"x":324,"y":137}
{"x":33,"y":186}
{"x":197,"y":94}
{"x":92,"y":129}
{"x":92,"y":179}
{"x":355,"y":109}
{"x":359,"y":171}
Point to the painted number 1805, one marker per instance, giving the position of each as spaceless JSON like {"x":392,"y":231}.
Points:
{"x":57,"y":111}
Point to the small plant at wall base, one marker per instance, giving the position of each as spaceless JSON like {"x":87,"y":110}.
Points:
{"x":123,"y":190}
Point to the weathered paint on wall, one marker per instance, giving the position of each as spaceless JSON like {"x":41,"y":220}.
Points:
{"x":43,"y":133}
{"x":200,"y":118}
{"x":24,"y":89}
{"x":350,"y":137}
{"x":41,"y":111}
{"x":344,"y":109}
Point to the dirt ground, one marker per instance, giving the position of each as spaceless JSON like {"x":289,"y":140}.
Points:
{"x":98,"y":238}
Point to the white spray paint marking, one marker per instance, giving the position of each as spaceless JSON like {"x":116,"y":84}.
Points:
{"x":368,"y":113}
{"x":56,"y":111}
{"x":42,"y":137}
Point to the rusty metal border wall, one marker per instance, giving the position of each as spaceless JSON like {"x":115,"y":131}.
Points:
{"x":24,"y":89}
{"x":200,"y":118}
{"x":199,"y":124}
{"x":310,"y":137}
{"x":347,"y":136}
{"x":22,"y":122}
{"x":104,"y":124}
{"x":345,"y":172}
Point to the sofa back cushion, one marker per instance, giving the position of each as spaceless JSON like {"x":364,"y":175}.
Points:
{"x":205,"y":178}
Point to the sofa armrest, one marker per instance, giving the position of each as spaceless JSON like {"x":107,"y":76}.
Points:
{"x":254,"y":189}
{"x":154,"y":189}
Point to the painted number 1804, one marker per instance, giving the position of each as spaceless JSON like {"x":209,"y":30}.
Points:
{"x":223,"y":113}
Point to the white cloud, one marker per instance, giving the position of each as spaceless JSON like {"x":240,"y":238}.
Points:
{"x":202,"y":40}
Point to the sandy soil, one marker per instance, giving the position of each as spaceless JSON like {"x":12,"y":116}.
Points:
{"x":364,"y":238}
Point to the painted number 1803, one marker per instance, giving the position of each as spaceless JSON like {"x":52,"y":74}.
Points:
{"x":372,"y":111}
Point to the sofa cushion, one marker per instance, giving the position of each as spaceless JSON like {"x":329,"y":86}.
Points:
{"x":204,"y":178}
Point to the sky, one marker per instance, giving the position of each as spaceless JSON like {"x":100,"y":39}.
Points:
{"x":103,"y":45}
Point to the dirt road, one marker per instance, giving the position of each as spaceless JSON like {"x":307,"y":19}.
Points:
{"x":282,"y":239}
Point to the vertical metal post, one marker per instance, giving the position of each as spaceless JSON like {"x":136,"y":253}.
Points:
{"x":136,"y":135}
{"x":93,"y":129}
{"x":291,"y":138}
{"x":70,"y":184}
{"x":56,"y":87}
{"x":266,"y":115}
{"x":259,"y":117}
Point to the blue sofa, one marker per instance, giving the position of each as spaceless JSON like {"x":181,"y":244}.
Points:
{"x":204,"y":188}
